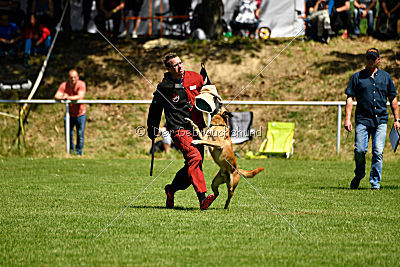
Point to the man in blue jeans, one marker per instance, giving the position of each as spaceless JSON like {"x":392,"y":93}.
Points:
{"x":364,"y":9}
{"x":371,"y":87}
{"x":74,"y":89}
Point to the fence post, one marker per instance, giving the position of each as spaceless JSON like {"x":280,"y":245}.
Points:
{"x":67,"y":127}
{"x":339,"y":126}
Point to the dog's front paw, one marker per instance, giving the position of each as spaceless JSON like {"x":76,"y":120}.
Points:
{"x":195,"y":142}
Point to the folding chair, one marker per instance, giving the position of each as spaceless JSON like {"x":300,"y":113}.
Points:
{"x":241,"y":128}
{"x":279,"y":139}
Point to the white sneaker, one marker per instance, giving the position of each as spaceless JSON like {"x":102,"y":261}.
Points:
{"x":134,"y":35}
{"x":122,"y":34}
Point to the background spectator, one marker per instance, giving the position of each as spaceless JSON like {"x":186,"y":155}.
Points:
{"x":13,"y":9}
{"x":109,"y":9}
{"x":44,"y":12}
{"x":74,"y":89}
{"x":319,"y":13}
{"x":37,"y":39}
{"x":166,"y":139}
{"x":208,"y":19}
{"x":133,"y":6}
{"x":364,"y":9}
{"x":389,"y":17}
{"x":341,"y":17}
{"x":86,"y":12}
{"x":9,"y":36}
{"x":246,"y":16}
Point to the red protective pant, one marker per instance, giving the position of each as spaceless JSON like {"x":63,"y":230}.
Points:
{"x":192,"y":172}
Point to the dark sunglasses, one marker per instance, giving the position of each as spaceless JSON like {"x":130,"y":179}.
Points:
{"x":371,"y":57}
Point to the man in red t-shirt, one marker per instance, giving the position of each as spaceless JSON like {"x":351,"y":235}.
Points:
{"x":74,"y":89}
{"x":175,"y":95}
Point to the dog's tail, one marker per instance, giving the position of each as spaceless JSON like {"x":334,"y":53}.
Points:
{"x":252,"y":173}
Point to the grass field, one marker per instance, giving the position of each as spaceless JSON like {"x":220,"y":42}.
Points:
{"x":52,"y":210}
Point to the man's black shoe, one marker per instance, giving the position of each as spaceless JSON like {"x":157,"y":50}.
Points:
{"x":354,"y":183}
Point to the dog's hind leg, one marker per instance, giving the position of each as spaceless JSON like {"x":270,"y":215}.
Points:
{"x":231,"y":189}
{"x":218,"y":180}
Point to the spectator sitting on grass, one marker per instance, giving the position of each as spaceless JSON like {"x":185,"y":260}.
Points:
{"x":364,"y":9}
{"x":37,"y":39}
{"x":9,"y":36}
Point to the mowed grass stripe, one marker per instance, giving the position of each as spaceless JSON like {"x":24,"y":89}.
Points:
{"x":52,"y":209}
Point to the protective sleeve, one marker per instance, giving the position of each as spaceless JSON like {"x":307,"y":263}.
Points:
{"x":154,"y":116}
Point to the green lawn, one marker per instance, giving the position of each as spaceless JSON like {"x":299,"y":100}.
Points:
{"x":52,"y":210}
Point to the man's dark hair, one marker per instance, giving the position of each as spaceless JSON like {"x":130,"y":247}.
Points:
{"x":167,"y":57}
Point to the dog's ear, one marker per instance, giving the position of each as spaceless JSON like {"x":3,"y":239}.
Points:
{"x":226,"y":116}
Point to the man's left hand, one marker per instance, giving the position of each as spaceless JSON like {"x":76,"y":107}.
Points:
{"x":397,"y":125}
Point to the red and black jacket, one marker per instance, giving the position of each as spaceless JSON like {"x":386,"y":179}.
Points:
{"x":176,"y":98}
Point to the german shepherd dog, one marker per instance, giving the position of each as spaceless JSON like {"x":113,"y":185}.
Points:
{"x":217,"y":137}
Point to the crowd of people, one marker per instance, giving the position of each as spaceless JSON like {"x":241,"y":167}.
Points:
{"x":32,"y":32}
{"x":327,"y":18}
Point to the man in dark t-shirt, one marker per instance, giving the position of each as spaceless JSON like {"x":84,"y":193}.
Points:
{"x":176,"y":96}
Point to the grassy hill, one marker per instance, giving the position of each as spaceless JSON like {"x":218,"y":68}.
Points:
{"x":304,"y":71}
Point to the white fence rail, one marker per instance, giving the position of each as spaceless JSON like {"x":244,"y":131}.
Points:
{"x":338,"y":104}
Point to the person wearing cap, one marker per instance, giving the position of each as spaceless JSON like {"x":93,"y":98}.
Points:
{"x":176,"y":96}
{"x":371,"y":87}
